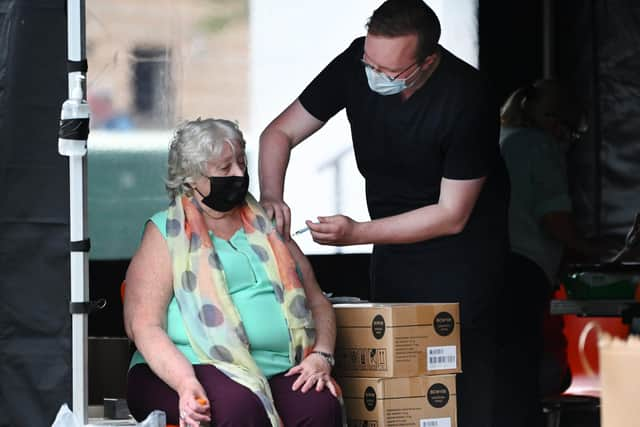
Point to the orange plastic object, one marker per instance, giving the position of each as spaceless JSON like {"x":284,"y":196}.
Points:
{"x":573,"y":326}
{"x":123,"y":285}
{"x":200,"y":400}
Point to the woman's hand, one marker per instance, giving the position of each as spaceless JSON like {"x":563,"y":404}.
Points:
{"x":314,"y":371}
{"x":193,"y":406}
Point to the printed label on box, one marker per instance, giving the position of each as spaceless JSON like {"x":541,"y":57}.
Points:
{"x":438,"y":395}
{"x":362,"y":423}
{"x":442,"y":357}
{"x":444,"y":324}
{"x":436,"y":422}
{"x":374,"y":359}
{"x":378,"y":326}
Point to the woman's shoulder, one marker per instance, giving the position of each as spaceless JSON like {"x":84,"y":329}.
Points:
{"x":159,"y":219}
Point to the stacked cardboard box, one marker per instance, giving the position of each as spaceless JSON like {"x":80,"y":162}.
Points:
{"x":396,"y":363}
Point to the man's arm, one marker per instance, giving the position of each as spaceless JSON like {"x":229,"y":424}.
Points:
{"x":448,"y":216}
{"x":291,"y":127}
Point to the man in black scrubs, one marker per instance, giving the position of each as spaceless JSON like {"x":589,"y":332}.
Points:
{"x":425,"y":133}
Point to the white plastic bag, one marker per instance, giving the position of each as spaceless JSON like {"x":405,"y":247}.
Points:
{"x":66,"y":418}
{"x":155,"y":419}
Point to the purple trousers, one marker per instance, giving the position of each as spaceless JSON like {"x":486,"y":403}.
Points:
{"x":231,"y":403}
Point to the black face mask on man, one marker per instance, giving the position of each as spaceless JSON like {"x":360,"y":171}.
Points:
{"x":226,"y":192}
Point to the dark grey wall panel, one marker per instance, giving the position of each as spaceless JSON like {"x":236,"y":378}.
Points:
{"x":35,"y":346}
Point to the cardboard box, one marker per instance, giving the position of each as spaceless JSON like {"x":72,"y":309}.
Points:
{"x":425,"y":401}
{"x":397,"y":340}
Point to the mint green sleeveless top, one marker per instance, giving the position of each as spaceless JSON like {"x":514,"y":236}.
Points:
{"x":253,"y":297}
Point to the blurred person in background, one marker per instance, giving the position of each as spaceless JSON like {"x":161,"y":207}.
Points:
{"x":540,"y":122}
{"x":104,"y":115}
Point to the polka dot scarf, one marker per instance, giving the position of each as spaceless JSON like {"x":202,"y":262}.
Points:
{"x":212,"y":322}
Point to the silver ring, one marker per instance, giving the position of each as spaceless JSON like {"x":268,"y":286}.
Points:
{"x":183,"y":415}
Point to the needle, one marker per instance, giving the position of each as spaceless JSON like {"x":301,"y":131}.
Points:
{"x":302,"y":230}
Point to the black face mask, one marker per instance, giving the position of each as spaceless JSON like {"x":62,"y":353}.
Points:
{"x":227,"y":192}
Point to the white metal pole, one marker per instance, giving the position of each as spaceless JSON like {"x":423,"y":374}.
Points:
{"x":74,"y":146}
{"x":79,"y":286}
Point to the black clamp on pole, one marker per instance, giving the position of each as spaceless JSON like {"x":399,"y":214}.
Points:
{"x":81,"y":66}
{"x":80,"y":245}
{"x":87,"y":307}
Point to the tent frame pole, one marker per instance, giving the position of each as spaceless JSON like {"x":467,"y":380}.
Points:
{"x":76,"y":148}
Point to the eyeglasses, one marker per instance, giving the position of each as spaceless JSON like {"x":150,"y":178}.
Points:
{"x":371,"y":67}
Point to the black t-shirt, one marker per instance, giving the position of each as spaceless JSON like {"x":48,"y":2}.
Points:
{"x":448,"y":128}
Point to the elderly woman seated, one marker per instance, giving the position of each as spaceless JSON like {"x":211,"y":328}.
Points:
{"x":230,"y":325}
